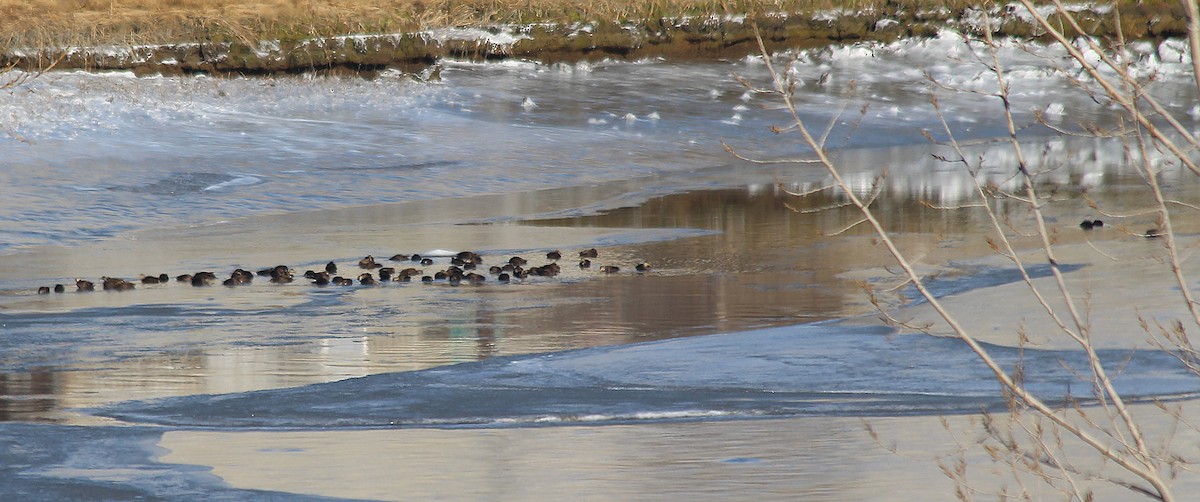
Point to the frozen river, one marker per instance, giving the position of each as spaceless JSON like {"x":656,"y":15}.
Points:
{"x":732,"y":340}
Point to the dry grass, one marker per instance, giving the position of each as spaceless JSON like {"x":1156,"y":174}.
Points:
{"x":90,"y":23}
{"x":42,"y":23}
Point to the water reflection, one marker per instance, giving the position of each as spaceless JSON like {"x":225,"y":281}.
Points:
{"x":1079,"y":164}
{"x":264,"y":336}
{"x":729,"y":251}
{"x":28,"y":395}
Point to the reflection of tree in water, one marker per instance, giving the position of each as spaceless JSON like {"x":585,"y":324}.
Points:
{"x":1065,"y":170}
{"x":764,"y":265}
{"x":774,"y":259}
{"x":764,"y":216}
{"x":27,"y":394}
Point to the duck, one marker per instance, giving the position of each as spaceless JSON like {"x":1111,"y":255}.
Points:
{"x":280,"y":274}
{"x":1087,"y":225}
{"x":426,"y":262}
{"x":385,"y":274}
{"x":589,"y":253}
{"x":116,"y":284}
{"x":184,"y":278}
{"x":156,"y":279}
{"x":503,"y":277}
{"x":399,"y":257}
{"x":642,"y":267}
{"x":368,"y":263}
{"x":548,"y":270}
{"x":610,"y":269}
{"x":83,"y":285}
{"x":1152,"y":233}
{"x":331,"y":268}
{"x":554,"y":255}
{"x":275,"y":271}
{"x":200,"y":279}
{"x":44,"y":290}
{"x":366,"y":279}
{"x":585,"y":263}
{"x":241,"y":276}
{"x":321,"y":279}
{"x":517,"y":261}
{"x":58,"y":288}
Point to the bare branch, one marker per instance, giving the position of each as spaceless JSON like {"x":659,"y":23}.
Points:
{"x":752,"y":160}
{"x":931,"y":205}
{"x":847,"y":227}
{"x":805,"y":193}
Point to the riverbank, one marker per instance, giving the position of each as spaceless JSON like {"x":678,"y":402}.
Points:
{"x":413,"y":36}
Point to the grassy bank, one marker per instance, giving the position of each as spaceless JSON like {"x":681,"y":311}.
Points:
{"x":99,"y":22}
{"x":301,"y":35}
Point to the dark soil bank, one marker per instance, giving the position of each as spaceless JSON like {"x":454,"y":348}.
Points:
{"x":679,"y":39}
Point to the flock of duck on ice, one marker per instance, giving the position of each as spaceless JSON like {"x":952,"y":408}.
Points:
{"x":463,"y":268}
